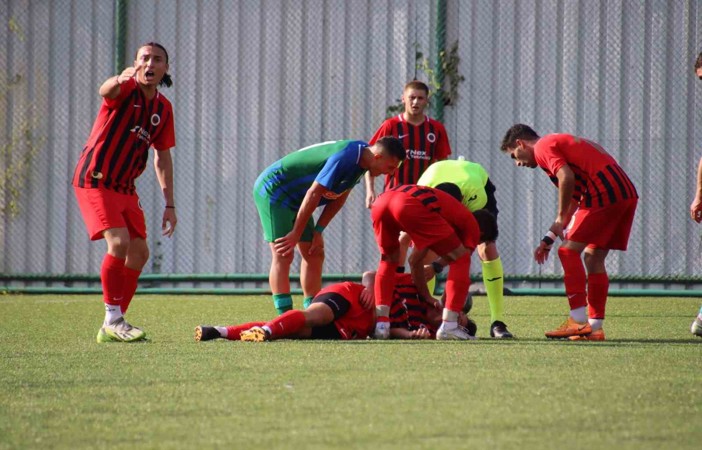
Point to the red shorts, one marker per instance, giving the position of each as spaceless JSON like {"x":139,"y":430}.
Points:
{"x":607,"y":227}
{"x":103,"y":209}
{"x":394,"y":212}
{"x":355,"y":323}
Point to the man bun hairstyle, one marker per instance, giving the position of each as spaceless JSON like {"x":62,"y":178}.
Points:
{"x":392,"y":146}
{"x":166,"y":80}
{"x":518,"y":131}
{"x":451,"y":189}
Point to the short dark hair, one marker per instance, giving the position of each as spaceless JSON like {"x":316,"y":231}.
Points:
{"x":416,"y":84}
{"x":451,"y":189}
{"x":518,"y":131}
{"x":487,"y":224}
{"x":698,"y":63}
{"x":392,"y":146}
{"x":166,"y":80}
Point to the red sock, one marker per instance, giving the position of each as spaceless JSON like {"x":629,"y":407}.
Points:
{"x":573,"y":277}
{"x":597,"y":289}
{"x":112,"y":279}
{"x":234,"y":332}
{"x":458,"y":283}
{"x":287,"y":324}
{"x":131,"y":276}
{"x":384,"y":287}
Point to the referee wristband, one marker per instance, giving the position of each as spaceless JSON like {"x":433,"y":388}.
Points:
{"x":549,"y":239}
{"x":319,"y":228}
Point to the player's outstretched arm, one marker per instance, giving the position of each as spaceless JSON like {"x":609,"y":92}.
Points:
{"x":110,"y":88}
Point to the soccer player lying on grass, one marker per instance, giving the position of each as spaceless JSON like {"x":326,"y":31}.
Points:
{"x":342,"y":311}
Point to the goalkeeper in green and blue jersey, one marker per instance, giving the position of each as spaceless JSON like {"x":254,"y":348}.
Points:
{"x":287,"y":193}
{"x":478,"y":193}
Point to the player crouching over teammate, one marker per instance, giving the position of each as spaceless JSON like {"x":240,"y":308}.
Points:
{"x":343,"y":311}
{"x":435,"y":219}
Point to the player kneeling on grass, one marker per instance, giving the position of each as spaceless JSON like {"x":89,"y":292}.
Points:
{"x":343,"y":311}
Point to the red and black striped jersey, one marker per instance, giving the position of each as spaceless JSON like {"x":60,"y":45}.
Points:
{"x":599,"y":180}
{"x":407,"y":310}
{"x":424,"y":145}
{"x":117,"y":150}
{"x":446,"y":206}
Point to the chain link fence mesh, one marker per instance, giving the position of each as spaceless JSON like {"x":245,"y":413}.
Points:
{"x":255,"y":80}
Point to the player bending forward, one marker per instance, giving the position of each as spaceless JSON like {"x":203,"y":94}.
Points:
{"x":596,"y":206}
{"x":435,"y":220}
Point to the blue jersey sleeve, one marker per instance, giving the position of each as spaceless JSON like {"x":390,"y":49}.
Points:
{"x":341,"y":170}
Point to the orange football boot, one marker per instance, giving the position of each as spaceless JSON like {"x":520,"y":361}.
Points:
{"x":569,"y":328}
{"x":597,"y":335}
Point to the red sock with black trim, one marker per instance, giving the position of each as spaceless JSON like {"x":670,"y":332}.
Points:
{"x":597,"y":290}
{"x":234,"y":331}
{"x":287,"y":324}
{"x":131,"y":277}
{"x":573,"y":277}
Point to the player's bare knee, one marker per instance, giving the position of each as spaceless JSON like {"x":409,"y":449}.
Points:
{"x":595,"y":262}
{"x":118,"y":245}
{"x":315,"y":259}
{"x":283,"y":260}
{"x":318,"y":314}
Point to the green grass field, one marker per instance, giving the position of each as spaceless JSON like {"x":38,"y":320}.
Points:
{"x":640,"y":389}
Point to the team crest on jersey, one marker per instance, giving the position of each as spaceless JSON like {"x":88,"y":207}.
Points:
{"x":431,"y":137}
{"x":155,"y":119}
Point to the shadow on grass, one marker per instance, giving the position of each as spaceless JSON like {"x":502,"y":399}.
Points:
{"x":482,"y":341}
